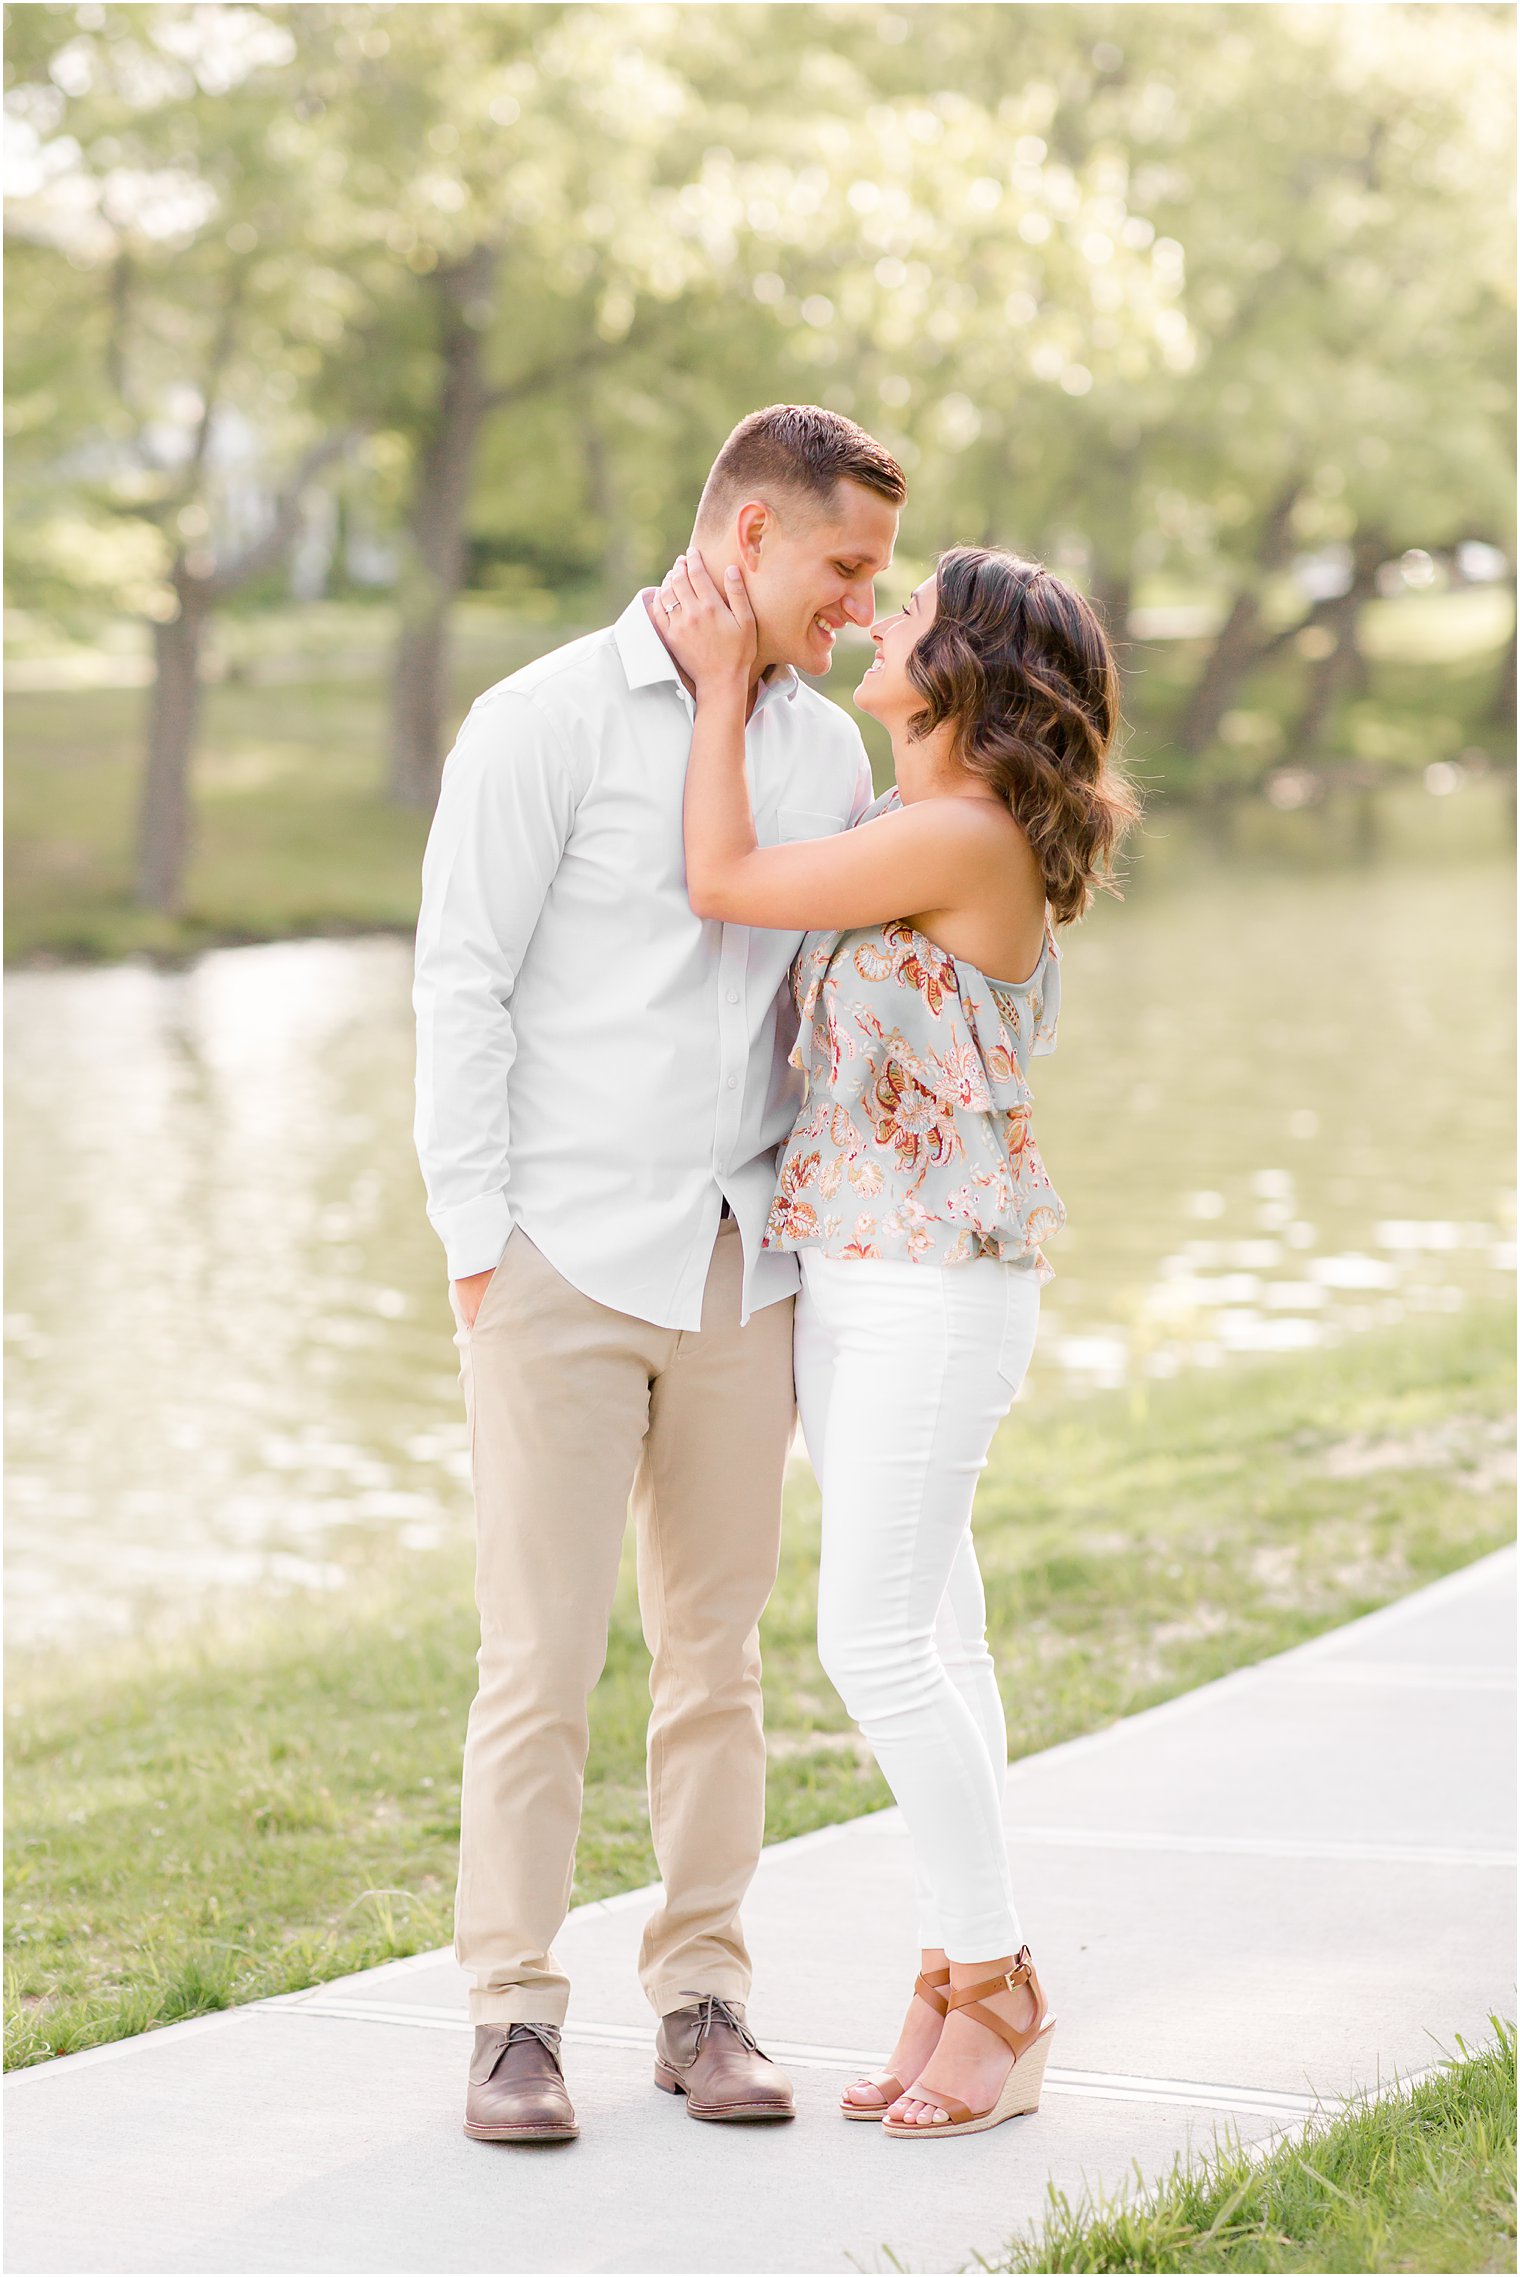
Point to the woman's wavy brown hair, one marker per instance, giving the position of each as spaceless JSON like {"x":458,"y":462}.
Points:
{"x":1020,"y":665}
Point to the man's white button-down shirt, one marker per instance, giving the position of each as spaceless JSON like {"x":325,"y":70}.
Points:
{"x":594,"y":1062}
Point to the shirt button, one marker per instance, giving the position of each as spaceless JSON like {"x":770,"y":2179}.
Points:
{"x":733,"y":996}
{"x":733,"y":1083}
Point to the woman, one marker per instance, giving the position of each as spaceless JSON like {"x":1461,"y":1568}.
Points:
{"x":916,"y":1200}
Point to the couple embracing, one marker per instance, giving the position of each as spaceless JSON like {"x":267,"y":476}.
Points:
{"x":724,"y":1117}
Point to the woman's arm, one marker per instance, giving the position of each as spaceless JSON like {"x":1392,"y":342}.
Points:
{"x":920,"y":858}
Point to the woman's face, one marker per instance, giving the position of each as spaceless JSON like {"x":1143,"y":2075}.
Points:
{"x":885,"y":690}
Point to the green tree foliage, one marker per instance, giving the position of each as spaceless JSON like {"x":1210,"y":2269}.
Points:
{"x":175,"y":312}
{"x":1171,"y":293}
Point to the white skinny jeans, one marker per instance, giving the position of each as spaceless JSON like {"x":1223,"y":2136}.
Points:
{"x":903,"y":1374}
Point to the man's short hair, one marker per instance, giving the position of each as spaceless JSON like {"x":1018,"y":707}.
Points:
{"x":801,"y":452}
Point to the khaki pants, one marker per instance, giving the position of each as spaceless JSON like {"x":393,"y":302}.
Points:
{"x":573,"y":1406}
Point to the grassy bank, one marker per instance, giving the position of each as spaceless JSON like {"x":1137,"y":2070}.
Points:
{"x":273,"y":1800}
{"x":294,"y":835}
{"x":1424,"y":2181}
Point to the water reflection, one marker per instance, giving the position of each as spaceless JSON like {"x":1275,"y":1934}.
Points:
{"x":1279,"y":1114}
{"x":229,"y":1343}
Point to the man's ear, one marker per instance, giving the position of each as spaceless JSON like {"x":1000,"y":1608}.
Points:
{"x":752,"y":526}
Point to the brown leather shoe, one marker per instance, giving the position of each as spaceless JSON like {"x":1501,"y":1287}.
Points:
{"x":517,"y":2089}
{"x":708,"y":2054}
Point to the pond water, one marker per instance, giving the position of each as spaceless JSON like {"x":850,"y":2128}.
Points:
{"x":1280,"y":1113}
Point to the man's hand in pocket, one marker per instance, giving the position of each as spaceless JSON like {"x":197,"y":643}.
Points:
{"x":468,"y":1294}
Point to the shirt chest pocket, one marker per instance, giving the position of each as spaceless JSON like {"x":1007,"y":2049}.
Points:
{"x":790,"y":823}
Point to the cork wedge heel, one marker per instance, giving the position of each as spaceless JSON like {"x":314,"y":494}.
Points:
{"x":1030,"y":2048}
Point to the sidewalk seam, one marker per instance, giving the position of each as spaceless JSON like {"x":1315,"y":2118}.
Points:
{"x":1122,"y":2087}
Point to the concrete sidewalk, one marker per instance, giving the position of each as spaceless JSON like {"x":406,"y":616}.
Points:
{"x":1245,"y":1904}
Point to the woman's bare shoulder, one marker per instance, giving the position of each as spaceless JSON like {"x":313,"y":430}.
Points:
{"x":996,"y":919}
{"x":995,"y":832}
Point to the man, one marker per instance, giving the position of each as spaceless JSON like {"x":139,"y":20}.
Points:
{"x":602,"y":1084}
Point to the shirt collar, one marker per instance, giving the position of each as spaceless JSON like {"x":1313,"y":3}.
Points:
{"x":645,"y":657}
{"x":646,"y":660}
{"x":781,"y":680}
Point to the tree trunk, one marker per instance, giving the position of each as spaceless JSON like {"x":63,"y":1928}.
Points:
{"x":417,"y":699}
{"x":1326,"y":680}
{"x":1236,"y":645}
{"x":1113,"y":569}
{"x":437,"y":534}
{"x":163,"y":832}
{"x":1366,"y":819}
{"x":1113,"y":597}
{"x":1502,"y":715}
{"x":1342,"y":667}
{"x":1503,"y":709}
{"x":618,"y":567}
{"x":163,"y":826}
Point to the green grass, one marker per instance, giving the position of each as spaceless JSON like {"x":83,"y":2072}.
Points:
{"x":293,"y":833}
{"x":1421,"y":2181}
{"x":273,"y":1801}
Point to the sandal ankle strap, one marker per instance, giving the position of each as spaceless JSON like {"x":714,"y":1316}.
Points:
{"x":969,"y":1999}
{"x":1022,"y":1972}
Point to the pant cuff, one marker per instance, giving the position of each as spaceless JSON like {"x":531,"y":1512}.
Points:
{"x":723,"y":1984}
{"x":986,"y":1942}
{"x":521,"y":2004}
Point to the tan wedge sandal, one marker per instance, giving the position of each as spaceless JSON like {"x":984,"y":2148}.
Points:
{"x":928,"y":1988}
{"x":1020,"y":2091}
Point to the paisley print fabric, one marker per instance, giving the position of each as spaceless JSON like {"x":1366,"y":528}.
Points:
{"x":914,"y":1140}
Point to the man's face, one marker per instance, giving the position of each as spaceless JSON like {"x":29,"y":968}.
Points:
{"x":810,"y":570}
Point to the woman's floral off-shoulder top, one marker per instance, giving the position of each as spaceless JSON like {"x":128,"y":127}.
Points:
{"x":914,"y":1140}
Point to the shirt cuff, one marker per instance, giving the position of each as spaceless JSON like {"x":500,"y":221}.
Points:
{"x":474,"y":1235}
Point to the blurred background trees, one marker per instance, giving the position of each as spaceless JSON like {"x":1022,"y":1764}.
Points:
{"x":337,"y":316}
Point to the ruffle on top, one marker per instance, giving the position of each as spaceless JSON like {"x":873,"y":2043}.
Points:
{"x":968,"y":1053}
{"x":914,"y":1140}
